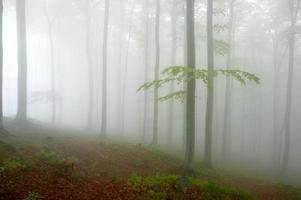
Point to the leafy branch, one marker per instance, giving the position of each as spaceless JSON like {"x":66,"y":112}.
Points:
{"x":180,"y":74}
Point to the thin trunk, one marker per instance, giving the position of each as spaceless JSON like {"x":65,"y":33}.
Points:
{"x":146,"y":64}
{"x":51,"y":43}
{"x":157,"y":66}
{"x":90,"y":65}
{"x":22,"y":60}
{"x":173,"y":63}
{"x":126,"y":70}
{"x":120,"y":83}
{"x":104,"y":72}
{"x":191,"y":87}
{"x":1,"y":66}
{"x":287,"y":118}
{"x":210,"y":90}
{"x":228,"y":95}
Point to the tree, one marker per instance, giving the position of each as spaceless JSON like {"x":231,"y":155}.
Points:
{"x":228,"y":92}
{"x":22,"y":60}
{"x":146,"y":64}
{"x":51,"y":43}
{"x":210,"y":96}
{"x":174,"y":19}
{"x":1,"y":67}
{"x":104,"y":72}
{"x":156,"y":75}
{"x":90,"y":66}
{"x":294,"y":7}
{"x":191,"y":86}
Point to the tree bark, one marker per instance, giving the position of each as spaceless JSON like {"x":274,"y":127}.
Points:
{"x":191,"y":87}
{"x":156,"y":74}
{"x":90,"y":66}
{"x":22,"y":60}
{"x":210,"y":90}
{"x":228,"y":95}
{"x":294,"y":8}
{"x":104,"y":72}
{"x":173,"y":63}
{"x":1,"y":66}
{"x":51,"y":43}
{"x":146,"y":64}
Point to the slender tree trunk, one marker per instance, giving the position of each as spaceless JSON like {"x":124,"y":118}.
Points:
{"x":1,"y":66}
{"x":146,"y":64}
{"x":228,"y":95}
{"x":22,"y":60}
{"x":191,"y":86}
{"x":90,"y":65}
{"x":173,"y":63}
{"x":210,"y":90}
{"x":294,"y":8}
{"x":51,"y":43}
{"x":157,"y":66}
{"x":126,"y":70}
{"x":104,"y":72}
{"x":120,"y":83}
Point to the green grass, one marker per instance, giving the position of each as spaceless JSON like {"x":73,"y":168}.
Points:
{"x":158,"y":186}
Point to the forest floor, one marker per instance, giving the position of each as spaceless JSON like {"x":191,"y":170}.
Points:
{"x":40,"y":164}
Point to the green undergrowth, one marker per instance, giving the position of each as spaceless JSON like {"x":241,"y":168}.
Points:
{"x":178,"y":187}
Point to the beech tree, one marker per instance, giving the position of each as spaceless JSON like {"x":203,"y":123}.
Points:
{"x":22,"y":60}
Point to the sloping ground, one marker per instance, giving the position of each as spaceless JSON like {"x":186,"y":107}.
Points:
{"x":60,"y":166}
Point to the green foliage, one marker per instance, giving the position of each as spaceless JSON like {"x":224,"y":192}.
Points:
{"x":12,"y":165}
{"x":219,"y":27}
{"x":6,"y":148}
{"x":157,"y":187}
{"x":32,"y":196}
{"x":221,"y":47}
{"x":180,"y":74}
{"x":50,"y":157}
{"x":216,"y":191}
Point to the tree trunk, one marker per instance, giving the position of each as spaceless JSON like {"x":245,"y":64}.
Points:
{"x":51,"y":43}
{"x":90,"y":66}
{"x":191,"y":86}
{"x":104,"y":72}
{"x":146,"y":64}
{"x":210,"y":90}
{"x":22,"y":60}
{"x":123,"y":96}
{"x":157,"y":66}
{"x":173,"y":63}
{"x":294,"y":8}
{"x":1,"y":66}
{"x":228,"y":95}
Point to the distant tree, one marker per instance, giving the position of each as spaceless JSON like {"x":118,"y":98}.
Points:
{"x":90,"y":66}
{"x":156,"y":74}
{"x":124,"y":83}
{"x":104,"y":72}
{"x":146,"y":64}
{"x":1,"y":67}
{"x":294,"y":8}
{"x":174,"y":20}
{"x":210,"y":96}
{"x":228,"y":94}
{"x":51,"y":43}
{"x":22,"y":60}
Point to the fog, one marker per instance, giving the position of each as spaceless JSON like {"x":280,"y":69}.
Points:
{"x":85,"y":60}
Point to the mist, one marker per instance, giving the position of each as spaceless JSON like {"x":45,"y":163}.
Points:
{"x":210,"y":82}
